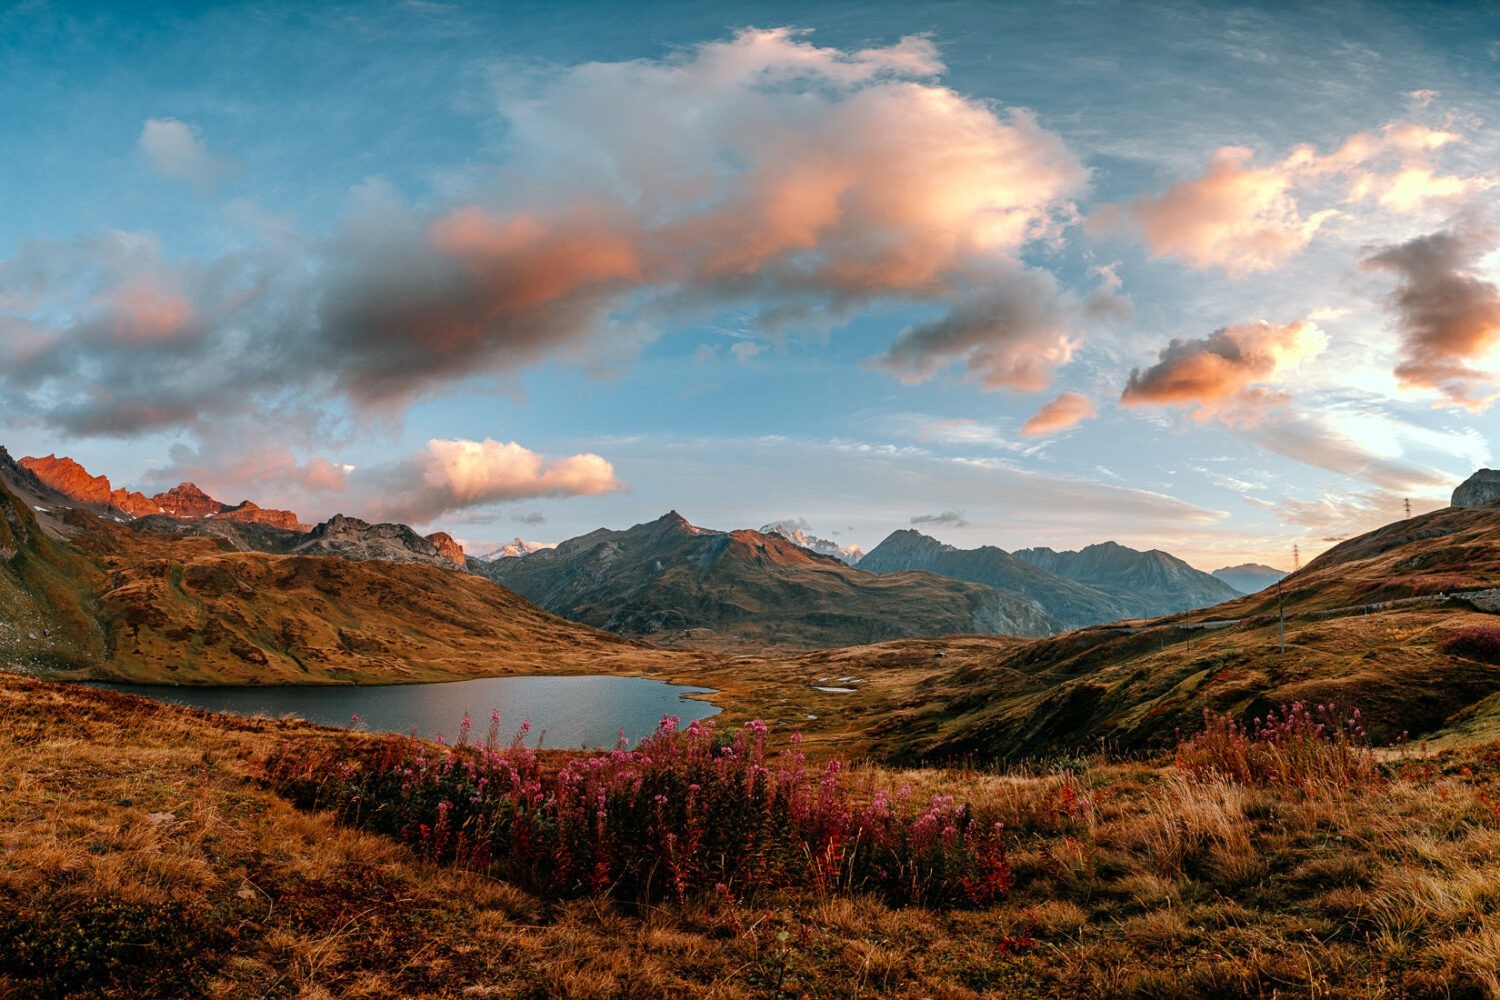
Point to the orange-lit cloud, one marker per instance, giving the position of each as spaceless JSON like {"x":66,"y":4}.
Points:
{"x":1068,"y":410}
{"x":1236,"y":216}
{"x":1447,"y":315}
{"x":762,"y":170}
{"x":142,"y":312}
{"x":1226,"y":374}
{"x":1244,"y":218}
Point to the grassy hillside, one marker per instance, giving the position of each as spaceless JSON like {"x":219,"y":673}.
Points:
{"x":142,"y":853}
{"x":1366,"y":624}
{"x":117,"y":603}
{"x":48,"y":615}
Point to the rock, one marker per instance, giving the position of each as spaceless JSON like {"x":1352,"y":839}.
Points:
{"x":73,"y":481}
{"x":187,"y":500}
{"x":353,"y":538}
{"x":1479,"y":489}
{"x":255,"y":514}
{"x":448,"y":548}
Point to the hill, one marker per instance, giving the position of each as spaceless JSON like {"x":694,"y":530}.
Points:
{"x":1396,"y":622}
{"x":87,"y":597}
{"x":678,"y":584}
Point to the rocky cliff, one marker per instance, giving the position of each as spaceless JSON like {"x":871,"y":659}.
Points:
{"x":1479,"y":489}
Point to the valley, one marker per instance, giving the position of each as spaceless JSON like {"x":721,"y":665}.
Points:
{"x":1139,"y":825}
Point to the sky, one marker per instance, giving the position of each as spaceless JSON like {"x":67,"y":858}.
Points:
{"x":1218,"y":280}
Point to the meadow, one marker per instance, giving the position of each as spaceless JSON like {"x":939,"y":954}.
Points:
{"x":154,"y":851}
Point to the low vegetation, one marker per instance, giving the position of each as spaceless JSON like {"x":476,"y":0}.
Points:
{"x":153,"y":851}
{"x":687,"y":813}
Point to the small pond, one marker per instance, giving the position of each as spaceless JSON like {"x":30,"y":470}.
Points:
{"x":573,"y":711}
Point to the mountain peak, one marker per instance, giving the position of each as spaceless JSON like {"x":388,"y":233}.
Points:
{"x":796,"y":532}
{"x":1479,"y":489}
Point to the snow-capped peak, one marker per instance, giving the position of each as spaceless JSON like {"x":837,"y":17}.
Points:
{"x":796,"y":533}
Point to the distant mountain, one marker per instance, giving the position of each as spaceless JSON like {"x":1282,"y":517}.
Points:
{"x":679,"y":584}
{"x":1249,"y":578}
{"x":850,"y":554}
{"x":1146,"y":584}
{"x":245,"y":527}
{"x":514,"y":549}
{"x":1071,"y":603}
{"x":184,"y":500}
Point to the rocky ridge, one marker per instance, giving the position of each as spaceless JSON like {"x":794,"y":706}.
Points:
{"x":1479,"y":489}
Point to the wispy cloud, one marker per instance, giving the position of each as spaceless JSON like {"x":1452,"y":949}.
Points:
{"x":1068,"y":410}
{"x":954,"y":518}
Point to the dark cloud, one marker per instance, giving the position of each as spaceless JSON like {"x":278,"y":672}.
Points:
{"x":954,"y":518}
{"x":1448,"y":317}
{"x":530,"y":517}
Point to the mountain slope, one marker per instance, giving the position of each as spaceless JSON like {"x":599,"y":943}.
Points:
{"x":680,"y":584}
{"x":114,"y":601}
{"x":1071,"y":603}
{"x":1369,"y":624}
{"x":1146,"y":584}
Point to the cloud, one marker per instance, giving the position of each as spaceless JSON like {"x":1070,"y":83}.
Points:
{"x":761,"y":173}
{"x":1235,"y":216}
{"x":457,"y":475}
{"x":1448,"y":317}
{"x":1224,"y":374}
{"x":1244,"y":218}
{"x":1067,"y":410}
{"x":1333,"y":517}
{"x":744,"y":350}
{"x":176,"y":149}
{"x":1013,"y":336}
{"x":954,"y":518}
{"x":530,"y":517}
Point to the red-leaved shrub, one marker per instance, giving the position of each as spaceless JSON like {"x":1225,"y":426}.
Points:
{"x":686,"y":812}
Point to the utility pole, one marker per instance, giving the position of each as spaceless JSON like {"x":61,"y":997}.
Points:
{"x":1296,"y":558}
{"x":1408,"y":507}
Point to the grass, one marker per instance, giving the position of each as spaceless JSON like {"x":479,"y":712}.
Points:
{"x":144,"y":852}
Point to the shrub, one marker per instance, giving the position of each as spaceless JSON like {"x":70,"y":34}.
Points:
{"x":1482,"y":644}
{"x":1297,"y":747}
{"x":685,"y":812}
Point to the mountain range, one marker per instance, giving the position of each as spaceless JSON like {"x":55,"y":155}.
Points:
{"x":679,"y":584}
{"x":1102,"y":583}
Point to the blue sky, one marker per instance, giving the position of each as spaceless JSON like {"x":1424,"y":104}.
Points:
{"x":529,"y":269}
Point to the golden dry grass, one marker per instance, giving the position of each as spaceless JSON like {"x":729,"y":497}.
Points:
{"x":139,"y":836}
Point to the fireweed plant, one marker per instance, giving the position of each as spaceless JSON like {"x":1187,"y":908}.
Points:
{"x":685,"y":813}
{"x":1301,"y":746}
